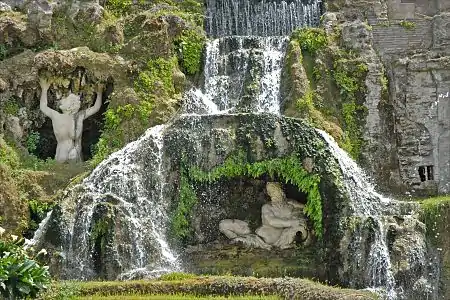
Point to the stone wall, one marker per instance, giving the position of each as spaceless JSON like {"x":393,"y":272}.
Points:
{"x":412,"y":39}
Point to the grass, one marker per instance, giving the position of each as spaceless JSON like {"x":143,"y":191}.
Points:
{"x":432,"y":202}
{"x":177,"y":297}
{"x":204,"y":287}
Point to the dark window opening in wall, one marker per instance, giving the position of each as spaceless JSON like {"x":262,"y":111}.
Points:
{"x":422,"y":174}
{"x":430,"y":174}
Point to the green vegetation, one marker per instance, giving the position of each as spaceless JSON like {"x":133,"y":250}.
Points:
{"x":10,"y":107}
{"x":32,"y":141}
{"x":189,"y":47}
{"x":118,"y":7}
{"x":407,"y":24}
{"x":176,"y":276}
{"x":311,"y":39}
{"x":205,"y":286}
{"x":126,"y":122}
{"x":330,"y":71}
{"x":178,"y":297}
{"x":38,"y":211}
{"x":288,"y":169}
{"x":8,"y":156}
{"x":20,"y":275}
{"x":436,"y":216}
{"x":180,"y":228}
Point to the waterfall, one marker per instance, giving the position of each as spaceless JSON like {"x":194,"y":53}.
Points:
{"x":245,"y":55}
{"x":379,"y":222}
{"x":126,"y":190}
{"x":125,"y":199}
{"x":260,"y":17}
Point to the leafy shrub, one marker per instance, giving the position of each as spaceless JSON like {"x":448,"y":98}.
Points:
{"x":190,"y":46}
{"x":21,"y":277}
{"x":176,"y":276}
{"x":32,"y":141}
{"x":119,"y":7}
{"x":311,"y":39}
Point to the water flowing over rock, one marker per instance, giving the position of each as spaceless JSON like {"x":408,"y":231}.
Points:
{"x":115,"y":223}
{"x":385,"y":244}
{"x":243,"y":73}
{"x":244,"y":59}
{"x":260,"y":18}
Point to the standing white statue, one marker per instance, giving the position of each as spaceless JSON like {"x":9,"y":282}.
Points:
{"x":68,"y":126}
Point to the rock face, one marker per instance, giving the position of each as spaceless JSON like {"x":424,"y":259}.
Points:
{"x":182,"y":147}
{"x":189,"y":176}
{"x":406,"y":133}
{"x":436,"y":215}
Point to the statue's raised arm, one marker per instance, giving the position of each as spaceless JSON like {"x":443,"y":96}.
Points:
{"x":97,"y":105}
{"x":44,"y":102}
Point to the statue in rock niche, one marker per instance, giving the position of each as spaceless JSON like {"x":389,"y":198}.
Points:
{"x":283,"y":222}
{"x":283,"y":219}
{"x":68,"y":125}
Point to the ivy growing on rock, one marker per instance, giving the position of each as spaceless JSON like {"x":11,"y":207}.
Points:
{"x":349,"y":75}
{"x":330,"y":71}
{"x":180,"y":228}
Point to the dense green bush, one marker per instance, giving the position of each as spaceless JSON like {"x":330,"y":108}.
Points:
{"x":190,"y":47}
{"x":21,"y":277}
{"x":310,"y":39}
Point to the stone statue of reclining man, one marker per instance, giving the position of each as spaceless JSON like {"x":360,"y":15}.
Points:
{"x":68,"y":125}
{"x":282,"y":222}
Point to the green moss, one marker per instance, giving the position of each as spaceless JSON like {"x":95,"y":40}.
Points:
{"x":189,"y":48}
{"x":118,"y":7}
{"x":436,"y":216}
{"x":288,"y":169}
{"x":128,"y":121}
{"x":407,"y":24}
{"x":180,"y":220}
{"x":10,"y":106}
{"x":158,"y":75}
{"x":349,"y":75}
{"x":311,"y":39}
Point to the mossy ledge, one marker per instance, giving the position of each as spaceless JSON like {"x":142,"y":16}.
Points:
{"x":436,"y":216}
{"x":285,"y":288}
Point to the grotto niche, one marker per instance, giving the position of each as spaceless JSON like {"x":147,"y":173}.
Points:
{"x":283,"y":223}
{"x":86,"y":89}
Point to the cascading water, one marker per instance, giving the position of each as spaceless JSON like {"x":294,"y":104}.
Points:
{"x":381,"y":222}
{"x":124,"y":195}
{"x":124,"y":198}
{"x":244,"y":59}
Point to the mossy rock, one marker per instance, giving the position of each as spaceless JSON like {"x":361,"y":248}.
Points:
{"x":436,"y":216}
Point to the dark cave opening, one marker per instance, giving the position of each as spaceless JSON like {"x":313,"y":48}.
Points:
{"x":292,"y":192}
{"x":92,"y":128}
